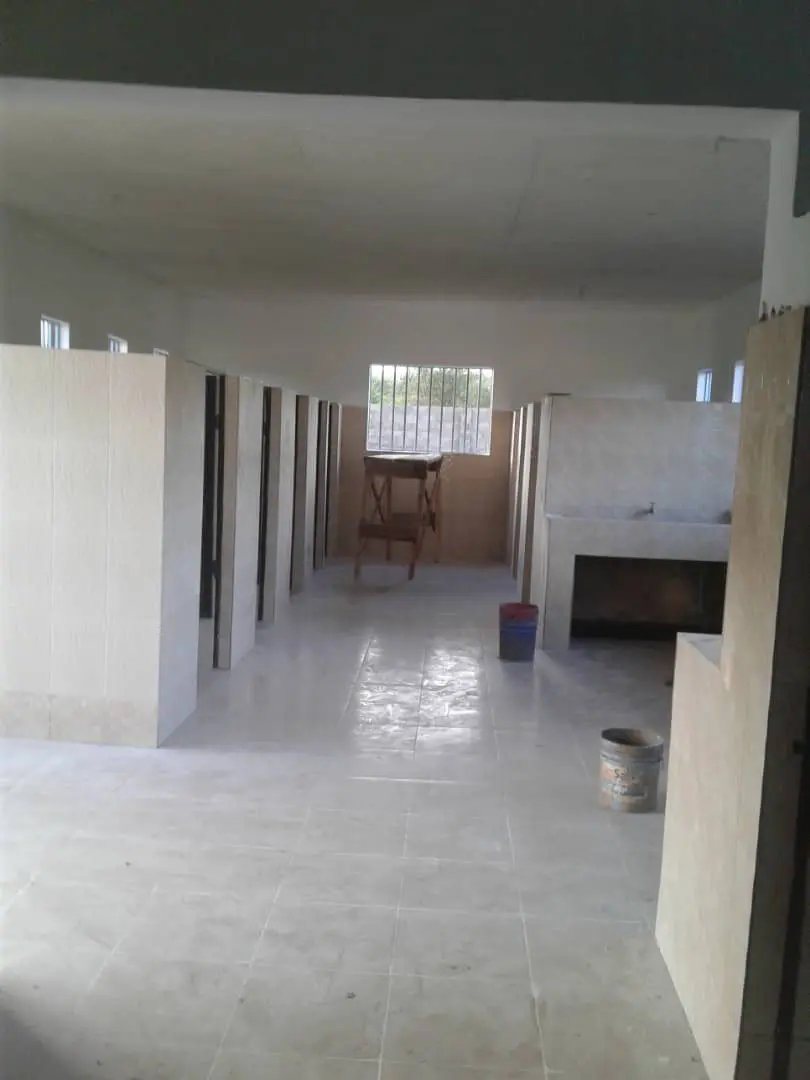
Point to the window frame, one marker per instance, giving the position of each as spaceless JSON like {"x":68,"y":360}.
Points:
{"x":737,"y":382}
{"x":703,"y":389}
{"x":411,"y":378}
{"x":61,"y":328}
{"x":114,"y":343}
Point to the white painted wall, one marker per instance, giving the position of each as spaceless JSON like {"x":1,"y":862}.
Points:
{"x":786,"y":266}
{"x":324,"y":345}
{"x":729,"y":321}
{"x":44,"y":274}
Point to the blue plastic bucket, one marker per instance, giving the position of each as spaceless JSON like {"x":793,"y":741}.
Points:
{"x":518,"y":631}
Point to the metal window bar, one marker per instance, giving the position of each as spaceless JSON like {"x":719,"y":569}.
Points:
{"x":478,"y":408}
{"x":466,"y":383}
{"x":453,"y":416}
{"x":466,"y":405}
{"x":418,"y":396}
{"x":430,"y":408}
{"x":441,"y":410}
{"x":393,"y":405}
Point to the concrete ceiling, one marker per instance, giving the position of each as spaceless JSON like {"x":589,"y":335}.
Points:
{"x":246,"y":192}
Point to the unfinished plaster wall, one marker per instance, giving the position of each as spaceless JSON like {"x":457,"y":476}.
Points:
{"x":82,"y":444}
{"x":240,"y":532}
{"x":475,"y":498}
{"x":739,"y":713}
{"x":182,"y":506}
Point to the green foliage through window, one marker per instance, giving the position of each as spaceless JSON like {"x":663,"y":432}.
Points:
{"x":429,"y":409}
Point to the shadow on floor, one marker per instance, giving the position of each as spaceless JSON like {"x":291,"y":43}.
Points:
{"x":24,"y":1055}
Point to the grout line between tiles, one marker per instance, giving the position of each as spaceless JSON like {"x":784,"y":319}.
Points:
{"x":391,"y":962}
{"x":252,"y":961}
{"x":534,"y":989}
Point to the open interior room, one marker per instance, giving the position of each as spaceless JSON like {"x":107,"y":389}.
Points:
{"x":404,"y":598}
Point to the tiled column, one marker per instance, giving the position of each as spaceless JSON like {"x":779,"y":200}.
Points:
{"x":240,"y":512}
{"x":280,"y":484}
{"x":304,"y":501}
{"x":730,"y":919}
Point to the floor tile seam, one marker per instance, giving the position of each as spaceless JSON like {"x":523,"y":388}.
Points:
{"x":504,"y":864}
{"x":394,"y":943}
{"x":112,"y":953}
{"x":292,"y":855}
{"x":249,"y":968}
{"x":533,"y":985}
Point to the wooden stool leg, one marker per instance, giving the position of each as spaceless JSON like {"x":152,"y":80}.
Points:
{"x":358,"y":558}
{"x":388,"y":499}
{"x":437,"y":518}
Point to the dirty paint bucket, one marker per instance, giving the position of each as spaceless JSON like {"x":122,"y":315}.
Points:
{"x":518,"y":631}
{"x":629,"y":770}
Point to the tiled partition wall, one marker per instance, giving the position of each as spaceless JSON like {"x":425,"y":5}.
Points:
{"x":84,"y":490}
{"x":182,"y":502}
{"x":613,"y":454}
{"x":732,"y":898}
{"x":240,"y":532}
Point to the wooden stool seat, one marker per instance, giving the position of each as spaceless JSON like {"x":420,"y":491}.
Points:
{"x":378,"y":519}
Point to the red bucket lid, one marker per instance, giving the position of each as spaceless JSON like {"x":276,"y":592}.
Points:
{"x":513,"y":612}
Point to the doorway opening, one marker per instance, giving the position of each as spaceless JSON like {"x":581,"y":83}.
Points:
{"x":296,"y":524}
{"x":264,"y":480}
{"x":321,"y":486}
{"x":211,"y":525}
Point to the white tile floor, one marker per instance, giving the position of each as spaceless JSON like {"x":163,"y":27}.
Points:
{"x":373,"y":854}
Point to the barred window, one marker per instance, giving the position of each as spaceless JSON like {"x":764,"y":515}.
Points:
{"x":429,"y":410}
{"x":116,"y":344}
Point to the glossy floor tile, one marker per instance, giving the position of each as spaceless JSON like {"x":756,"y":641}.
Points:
{"x":375,"y":852}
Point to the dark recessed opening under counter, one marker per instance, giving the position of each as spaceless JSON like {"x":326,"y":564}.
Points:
{"x":646,"y":599}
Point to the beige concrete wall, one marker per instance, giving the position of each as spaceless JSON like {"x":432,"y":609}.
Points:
{"x":182,"y":507}
{"x":82,"y":444}
{"x":739,"y":713}
{"x":240,"y":512}
{"x":279,"y":503}
{"x":475,"y":498}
